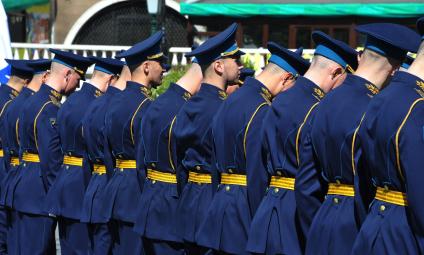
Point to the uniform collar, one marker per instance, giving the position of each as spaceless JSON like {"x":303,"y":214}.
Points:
{"x":310,"y":87}
{"x":407,"y":79}
{"x":260,"y":87}
{"x":12,"y":92}
{"x":91,"y":89}
{"x":363,"y":83}
{"x":51,"y":92}
{"x":112,"y":90}
{"x":27,"y":91}
{"x":180,"y":91}
{"x":135,"y":86}
{"x":212,"y":90}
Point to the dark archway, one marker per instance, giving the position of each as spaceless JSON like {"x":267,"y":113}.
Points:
{"x":127,"y":23}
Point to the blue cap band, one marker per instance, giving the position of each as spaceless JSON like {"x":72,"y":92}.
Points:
{"x":330,"y":54}
{"x":61,"y":62}
{"x":40,"y":72}
{"x":194,"y":60}
{"x":283,"y":64}
{"x":229,"y":52}
{"x":405,"y":65}
{"x":101,"y":69}
{"x":384,"y":48}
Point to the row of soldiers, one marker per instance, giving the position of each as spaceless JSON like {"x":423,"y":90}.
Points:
{"x":304,"y":158}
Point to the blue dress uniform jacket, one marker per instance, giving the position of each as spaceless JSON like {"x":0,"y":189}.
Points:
{"x":333,"y":133}
{"x":66,"y":195}
{"x":158,"y":205}
{"x":195,"y":159}
{"x":38,"y":134}
{"x":7,"y":95}
{"x":11,"y":142}
{"x":122,"y":128}
{"x":388,"y":171}
{"x":275,"y":228}
{"x":236,"y":132}
{"x":99,"y":155}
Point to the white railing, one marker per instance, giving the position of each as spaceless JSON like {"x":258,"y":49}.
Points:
{"x":36,"y":51}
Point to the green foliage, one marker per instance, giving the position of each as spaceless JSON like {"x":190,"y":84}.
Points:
{"x":173,"y":75}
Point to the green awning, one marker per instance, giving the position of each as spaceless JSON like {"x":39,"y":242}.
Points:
{"x":21,"y":4}
{"x":393,"y":10}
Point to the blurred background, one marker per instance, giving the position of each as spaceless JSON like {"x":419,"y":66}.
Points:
{"x":103,"y":27}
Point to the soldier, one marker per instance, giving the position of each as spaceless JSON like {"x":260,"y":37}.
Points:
{"x":275,"y":228}
{"x":93,"y":125}
{"x":155,"y":217}
{"x":334,"y":228}
{"x":11,"y":142}
{"x":236,"y":129}
{"x":193,"y":154}
{"x":122,"y":128}
{"x":65,"y":197}
{"x":41,"y":155}
{"x":389,"y":168}
{"x":20,"y":75}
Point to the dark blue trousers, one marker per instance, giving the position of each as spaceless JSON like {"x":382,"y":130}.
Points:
{"x":158,"y":247}
{"x":101,"y":239}
{"x":36,"y":234}
{"x":74,"y":237}
{"x":124,"y":240}
{"x":12,"y":232}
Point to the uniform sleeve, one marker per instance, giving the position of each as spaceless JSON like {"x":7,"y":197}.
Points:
{"x":364,"y":187}
{"x":48,"y":141}
{"x":178,"y":152}
{"x":257,"y":176}
{"x":108,"y":158}
{"x":5,"y":137}
{"x":310,"y":187}
{"x":140,"y":153}
{"x":411,"y":151}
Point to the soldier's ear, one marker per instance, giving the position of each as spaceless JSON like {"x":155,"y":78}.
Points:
{"x":45,"y":76}
{"x":337,"y":72}
{"x":218,"y":66}
{"x":68,"y":75}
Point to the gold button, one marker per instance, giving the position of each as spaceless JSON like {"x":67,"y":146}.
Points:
{"x":69,"y":153}
{"x":276,"y":190}
{"x":227,"y":188}
{"x":382,"y":208}
{"x":67,"y":167}
{"x":230,"y":171}
{"x":338,"y":182}
{"x":153,"y":165}
{"x":24,"y":164}
{"x":336,"y":200}
{"x":121,"y":169}
{"x":153,"y":182}
{"x":279,"y":173}
{"x":386,"y":188}
{"x":198,"y":168}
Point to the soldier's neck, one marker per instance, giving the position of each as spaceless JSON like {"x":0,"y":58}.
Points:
{"x":319,"y":78}
{"x":16,"y":83}
{"x":417,"y":67}
{"x":35,"y":83}
{"x":141,"y":79}
{"x":191,"y":80}
{"x":100,"y":84}
{"x":56,"y":82}
{"x":377,"y":75}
